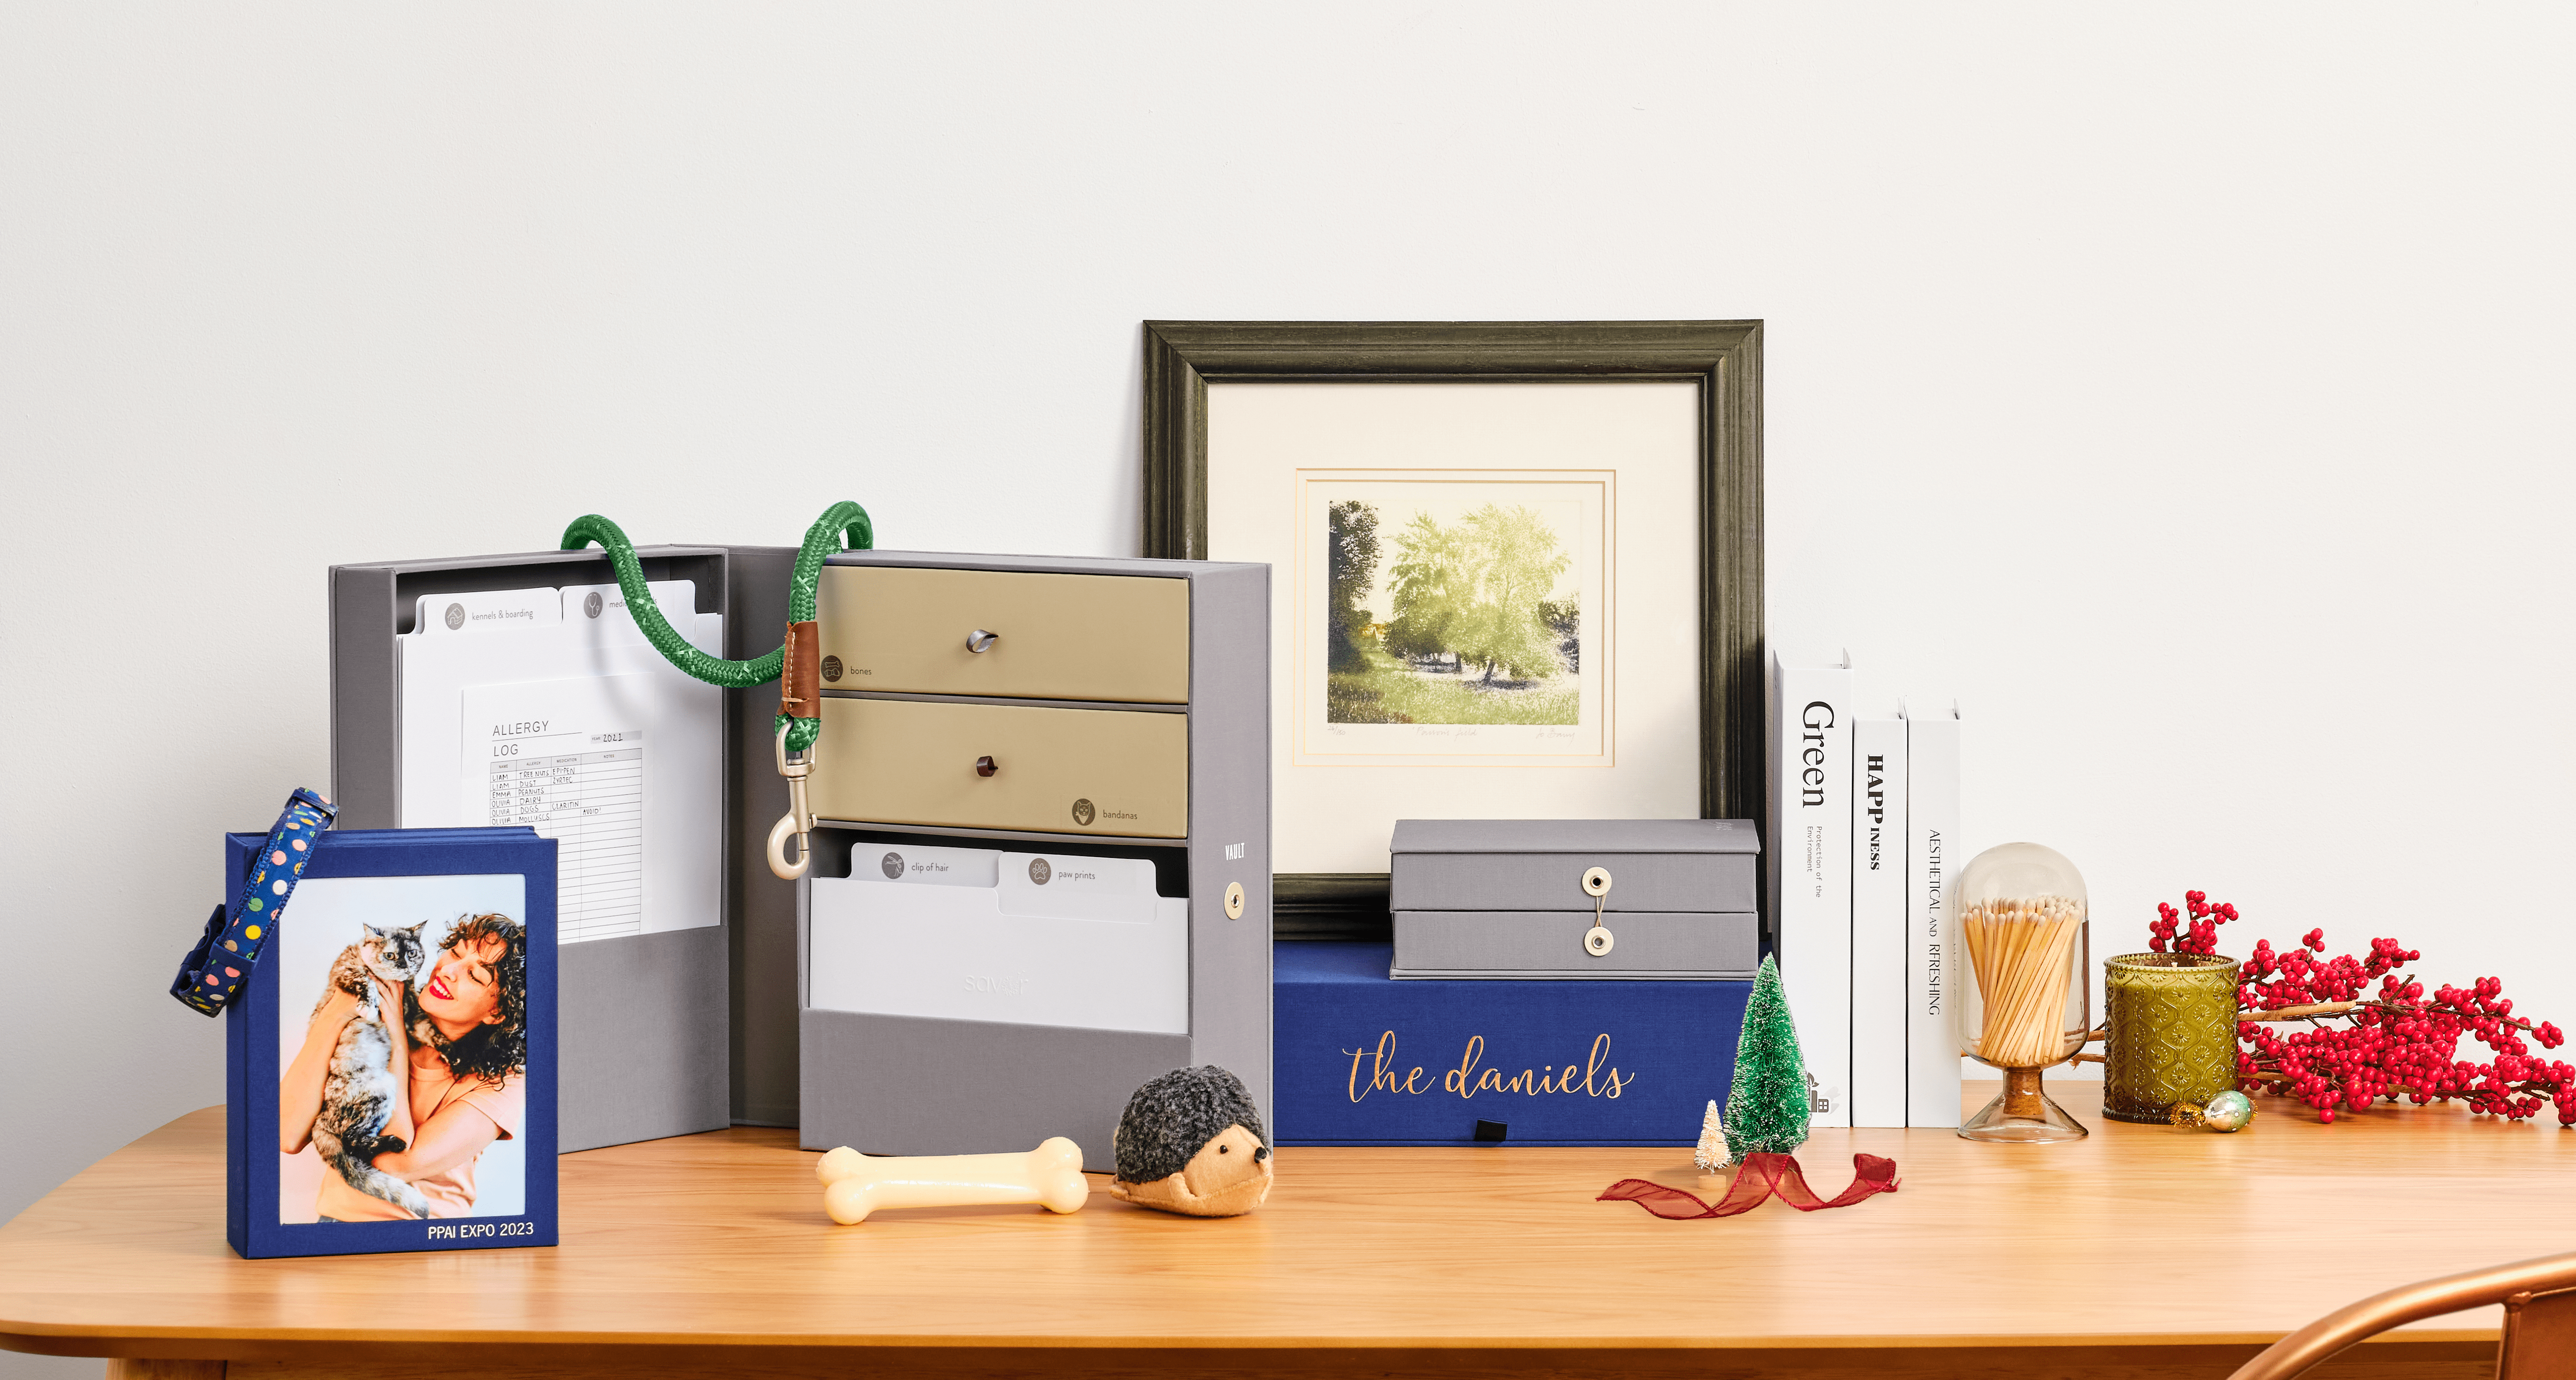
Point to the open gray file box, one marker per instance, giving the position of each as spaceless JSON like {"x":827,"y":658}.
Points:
{"x":1042,"y":873}
{"x":666,"y":1026}
{"x":1507,"y":898}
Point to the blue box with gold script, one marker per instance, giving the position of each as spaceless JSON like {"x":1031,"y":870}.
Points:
{"x":1359,"y":1058}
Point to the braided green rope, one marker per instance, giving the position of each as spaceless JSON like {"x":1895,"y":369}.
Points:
{"x":821,"y":539}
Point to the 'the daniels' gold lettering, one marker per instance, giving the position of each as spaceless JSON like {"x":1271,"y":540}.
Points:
{"x":1381,"y":1075}
{"x":1374,"y":1069}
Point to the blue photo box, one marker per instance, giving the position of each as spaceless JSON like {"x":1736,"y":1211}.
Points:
{"x":1363,"y":1059}
{"x":513,"y":859}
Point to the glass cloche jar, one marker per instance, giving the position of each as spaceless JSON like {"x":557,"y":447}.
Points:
{"x":2018,"y":913}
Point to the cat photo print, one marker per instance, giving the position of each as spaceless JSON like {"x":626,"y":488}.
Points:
{"x":402,"y":1033}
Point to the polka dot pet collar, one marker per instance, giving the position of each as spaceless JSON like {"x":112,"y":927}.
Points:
{"x":215,"y":970}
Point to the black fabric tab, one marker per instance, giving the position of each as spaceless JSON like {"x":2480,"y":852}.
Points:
{"x":1491,"y":1130}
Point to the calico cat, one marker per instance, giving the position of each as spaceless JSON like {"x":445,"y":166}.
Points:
{"x":358,"y":1093}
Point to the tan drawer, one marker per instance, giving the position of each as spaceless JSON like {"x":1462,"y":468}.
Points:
{"x":1067,"y":771}
{"x":1059,"y":637}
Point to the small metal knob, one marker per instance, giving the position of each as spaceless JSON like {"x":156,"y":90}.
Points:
{"x":986,"y":766}
{"x":982,"y":641}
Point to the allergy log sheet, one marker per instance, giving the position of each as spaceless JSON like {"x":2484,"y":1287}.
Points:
{"x":566,"y":758}
{"x":578,"y":729}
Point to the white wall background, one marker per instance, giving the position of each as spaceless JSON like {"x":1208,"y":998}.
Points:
{"x":2185,"y":388}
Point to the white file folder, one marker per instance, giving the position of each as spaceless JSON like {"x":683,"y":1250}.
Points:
{"x":1061,"y":939}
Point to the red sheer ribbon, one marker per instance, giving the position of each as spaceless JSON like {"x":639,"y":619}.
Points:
{"x":1761,"y":1177}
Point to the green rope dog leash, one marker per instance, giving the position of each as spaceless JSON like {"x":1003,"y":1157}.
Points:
{"x":800,"y":710}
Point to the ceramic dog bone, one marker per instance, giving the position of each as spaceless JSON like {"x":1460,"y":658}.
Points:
{"x":855,"y":1185}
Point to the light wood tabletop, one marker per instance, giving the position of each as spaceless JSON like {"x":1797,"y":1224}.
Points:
{"x":2140,"y":1251}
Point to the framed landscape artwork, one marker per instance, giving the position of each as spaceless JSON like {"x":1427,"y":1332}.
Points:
{"x":1516,"y":570}
{"x":1440,"y":617}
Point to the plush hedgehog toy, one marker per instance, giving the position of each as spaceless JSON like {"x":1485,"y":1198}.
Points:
{"x":1191,"y":1142}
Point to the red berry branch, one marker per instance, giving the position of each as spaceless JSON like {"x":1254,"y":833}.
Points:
{"x":2353,"y":1049}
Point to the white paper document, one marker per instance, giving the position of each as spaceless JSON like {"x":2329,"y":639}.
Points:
{"x":566,"y":758}
{"x":607,"y":604}
{"x":485,"y":610}
{"x":975,"y":934}
{"x":583,"y":732}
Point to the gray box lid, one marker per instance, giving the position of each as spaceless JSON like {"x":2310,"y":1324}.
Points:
{"x":1574,"y":836}
{"x":1703,"y":865}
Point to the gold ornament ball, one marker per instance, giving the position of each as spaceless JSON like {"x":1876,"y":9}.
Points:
{"x":2229,"y":1111}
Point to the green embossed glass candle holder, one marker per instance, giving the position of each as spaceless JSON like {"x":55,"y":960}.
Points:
{"x":2172,"y":1020}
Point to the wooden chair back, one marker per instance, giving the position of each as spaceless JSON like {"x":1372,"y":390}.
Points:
{"x":2539,"y":1336}
{"x":2539,"y":1298}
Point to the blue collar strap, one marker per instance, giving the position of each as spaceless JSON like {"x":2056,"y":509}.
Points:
{"x":215,"y":970}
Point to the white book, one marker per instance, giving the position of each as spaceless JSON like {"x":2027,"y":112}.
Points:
{"x":1932,"y":826}
{"x":1808,"y":853}
{"x":1879,"y":892}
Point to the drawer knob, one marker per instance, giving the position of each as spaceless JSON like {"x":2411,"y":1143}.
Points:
{"x":986,"y":766}
{"x":982,"y":641}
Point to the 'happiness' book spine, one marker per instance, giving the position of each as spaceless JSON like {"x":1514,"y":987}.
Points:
{"x":1879,"y":890}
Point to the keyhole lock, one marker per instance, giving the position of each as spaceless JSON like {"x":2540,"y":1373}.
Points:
{"x":981,"y":641}
{"x":1598,"y":939}
{"x":1234,"y":900}
{"x":986,"y":766}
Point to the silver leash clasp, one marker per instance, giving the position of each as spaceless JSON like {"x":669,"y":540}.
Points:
{"x":799,"y":819}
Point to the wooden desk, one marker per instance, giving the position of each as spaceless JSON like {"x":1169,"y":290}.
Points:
{"x":2141,"y":1251}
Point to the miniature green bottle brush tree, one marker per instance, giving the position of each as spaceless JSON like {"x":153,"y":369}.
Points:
{"x":1767,"y":1108}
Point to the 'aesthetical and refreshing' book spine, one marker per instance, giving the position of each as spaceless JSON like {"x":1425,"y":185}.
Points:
{"x":1809,"y":852}
{"x":1879,"y":891}
{"x":1932,"y":825}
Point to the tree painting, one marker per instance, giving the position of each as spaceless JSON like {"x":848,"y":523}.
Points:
{"x":1351,"y":564}
{"x":1477,"y":631}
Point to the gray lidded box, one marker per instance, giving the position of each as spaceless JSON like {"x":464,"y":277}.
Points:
{"x":1505,"y":898}
{"x":911,"y":1085}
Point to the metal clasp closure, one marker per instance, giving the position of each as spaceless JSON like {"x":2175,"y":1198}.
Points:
{"x":799,"y":819}
{"x":1597,"y":940}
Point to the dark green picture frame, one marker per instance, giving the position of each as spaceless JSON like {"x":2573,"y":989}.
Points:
{"x":1724,"y":358}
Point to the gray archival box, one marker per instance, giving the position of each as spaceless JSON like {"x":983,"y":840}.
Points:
{"x":683,"y":1031}
{"x":915,"y":1084}
{"x":657,"y":1034}
{"x":1505,"y":898}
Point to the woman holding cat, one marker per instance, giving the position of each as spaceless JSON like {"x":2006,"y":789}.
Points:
{"x":464,"y":1046}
